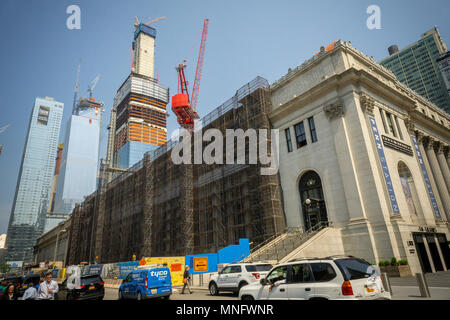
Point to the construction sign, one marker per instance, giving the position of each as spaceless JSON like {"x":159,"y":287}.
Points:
{"x":175,"y":264}
{"x":201,"y":264}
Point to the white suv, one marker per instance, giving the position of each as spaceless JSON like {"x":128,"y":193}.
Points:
{"x":319,"y":278}
{"x":234,"y":276}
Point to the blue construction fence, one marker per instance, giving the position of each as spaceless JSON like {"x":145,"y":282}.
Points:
{"x":208,"y":262}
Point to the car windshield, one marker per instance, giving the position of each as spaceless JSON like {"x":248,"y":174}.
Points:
{"x":258,"y":267}
{"x":90,"y":279}
{"x":356,"y":268}
{"x":263,"y":267}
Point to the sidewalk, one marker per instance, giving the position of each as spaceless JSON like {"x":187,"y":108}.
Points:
{"x":408,"y":289}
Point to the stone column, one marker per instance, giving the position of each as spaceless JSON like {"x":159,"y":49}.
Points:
{"x":420,"y":141}
{"x":427,"y":249}
{"x":335,"y":114}
{"x":441,"y":255}
{"x":443,"y":164}
{"x":447,"y":156}
{"x":438,"y":176}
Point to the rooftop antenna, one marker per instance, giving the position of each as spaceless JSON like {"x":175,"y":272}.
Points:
{"x":75,"y":94}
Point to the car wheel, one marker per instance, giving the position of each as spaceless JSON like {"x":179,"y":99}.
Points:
{"x":139,"y":296}
{"x":166,"y":297}
{"x":213,"y":289}
{"x":247,"y":298}
{"x":120,"y":295}
{"x":243,"y":283}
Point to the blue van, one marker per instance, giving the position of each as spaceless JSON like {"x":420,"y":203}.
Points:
{"x":146,"y":282}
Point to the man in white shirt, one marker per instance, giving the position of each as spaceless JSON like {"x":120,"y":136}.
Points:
{"x":48,"y":288}
{"x":30,"y":293}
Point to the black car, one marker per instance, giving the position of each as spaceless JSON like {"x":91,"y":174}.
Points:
{"x":92,"y":288}
{"x":26,"y":281}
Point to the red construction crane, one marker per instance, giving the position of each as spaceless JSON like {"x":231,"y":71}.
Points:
{"x":185,"y":108}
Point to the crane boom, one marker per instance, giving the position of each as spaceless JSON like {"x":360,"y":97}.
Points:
{"x":4,"y":128}
{"x":153,"y":21}
{"x":93,"y":84}
{"x":198,"y":72}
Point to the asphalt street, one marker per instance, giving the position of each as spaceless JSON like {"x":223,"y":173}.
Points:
{"x":198,"y":294}
{"x":402,"y":289}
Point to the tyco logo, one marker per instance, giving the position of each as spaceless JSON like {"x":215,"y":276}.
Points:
{"x":158,"y":273}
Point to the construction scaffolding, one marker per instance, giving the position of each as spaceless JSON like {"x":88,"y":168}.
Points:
{"x":157,"y":208}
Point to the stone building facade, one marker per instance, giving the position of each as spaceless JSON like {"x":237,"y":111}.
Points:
{"x":361,"y":150}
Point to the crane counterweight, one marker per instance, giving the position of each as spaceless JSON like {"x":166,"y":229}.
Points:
{"x":185,"y":108}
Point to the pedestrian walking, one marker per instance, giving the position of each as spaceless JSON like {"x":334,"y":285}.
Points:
{"x":10,"y":292}
{"x":186,"y":278}
{"x":48,"y":288}
{"x":31,"y":292}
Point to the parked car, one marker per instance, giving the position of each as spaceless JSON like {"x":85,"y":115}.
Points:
{"x":91,"y":288}
{"x":319,"y":278}
{"x":146,"y":282}
{"x":25,"y":282}
{"x":234,"y":276}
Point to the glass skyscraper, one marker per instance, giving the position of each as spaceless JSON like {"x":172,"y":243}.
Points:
{"x":28,"y":214}
{"x":416,"y":67}
{"x":79,"y":166}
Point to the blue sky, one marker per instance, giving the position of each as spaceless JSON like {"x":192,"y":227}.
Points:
{"x":39,"y":55}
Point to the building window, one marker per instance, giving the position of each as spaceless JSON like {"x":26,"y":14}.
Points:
{"x":391,"y":124}
{"x":312,"y":129}
{"x":288,"y":139}
{"x":383,"y":120}
{"x":300,"y":134}
{"x":398,"y":128}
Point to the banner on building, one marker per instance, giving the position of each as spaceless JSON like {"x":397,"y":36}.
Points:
{"x":387,"y":176}
{"x":425,"y":177}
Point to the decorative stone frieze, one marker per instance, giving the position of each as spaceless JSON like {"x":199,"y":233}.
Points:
{"x":420,"y":137}
{"x":409,"y":124}
{"x":441,"y":147}
{"x":430,"y":144}
{"x":334,"y":110}
{"x":367,"y":103}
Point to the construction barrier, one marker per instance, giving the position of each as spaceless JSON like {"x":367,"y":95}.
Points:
{"x":113,"y":283}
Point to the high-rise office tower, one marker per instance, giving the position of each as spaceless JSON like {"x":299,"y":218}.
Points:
{"x":444,"y":66}
{"x":79,"y":166}
{"x":140,"y":104}
{"x":33,"y":188}
{"x":417,"y":67}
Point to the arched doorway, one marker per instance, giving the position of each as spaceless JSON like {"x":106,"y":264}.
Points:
{"x":312,"y":200}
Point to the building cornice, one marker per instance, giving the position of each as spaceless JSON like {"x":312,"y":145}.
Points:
{"x":380,"y":73}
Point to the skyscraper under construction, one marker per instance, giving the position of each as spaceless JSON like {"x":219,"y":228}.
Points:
{"x":140,"y":104}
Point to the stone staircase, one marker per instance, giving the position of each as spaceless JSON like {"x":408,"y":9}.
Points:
{"x":277,"y":247}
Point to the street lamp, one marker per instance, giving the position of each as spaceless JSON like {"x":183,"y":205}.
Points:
{"x":308,"y":203}
{"x":56,"y":245}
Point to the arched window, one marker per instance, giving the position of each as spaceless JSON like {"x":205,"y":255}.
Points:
{"x":313,"y":203}
{"x":408,"y":187}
